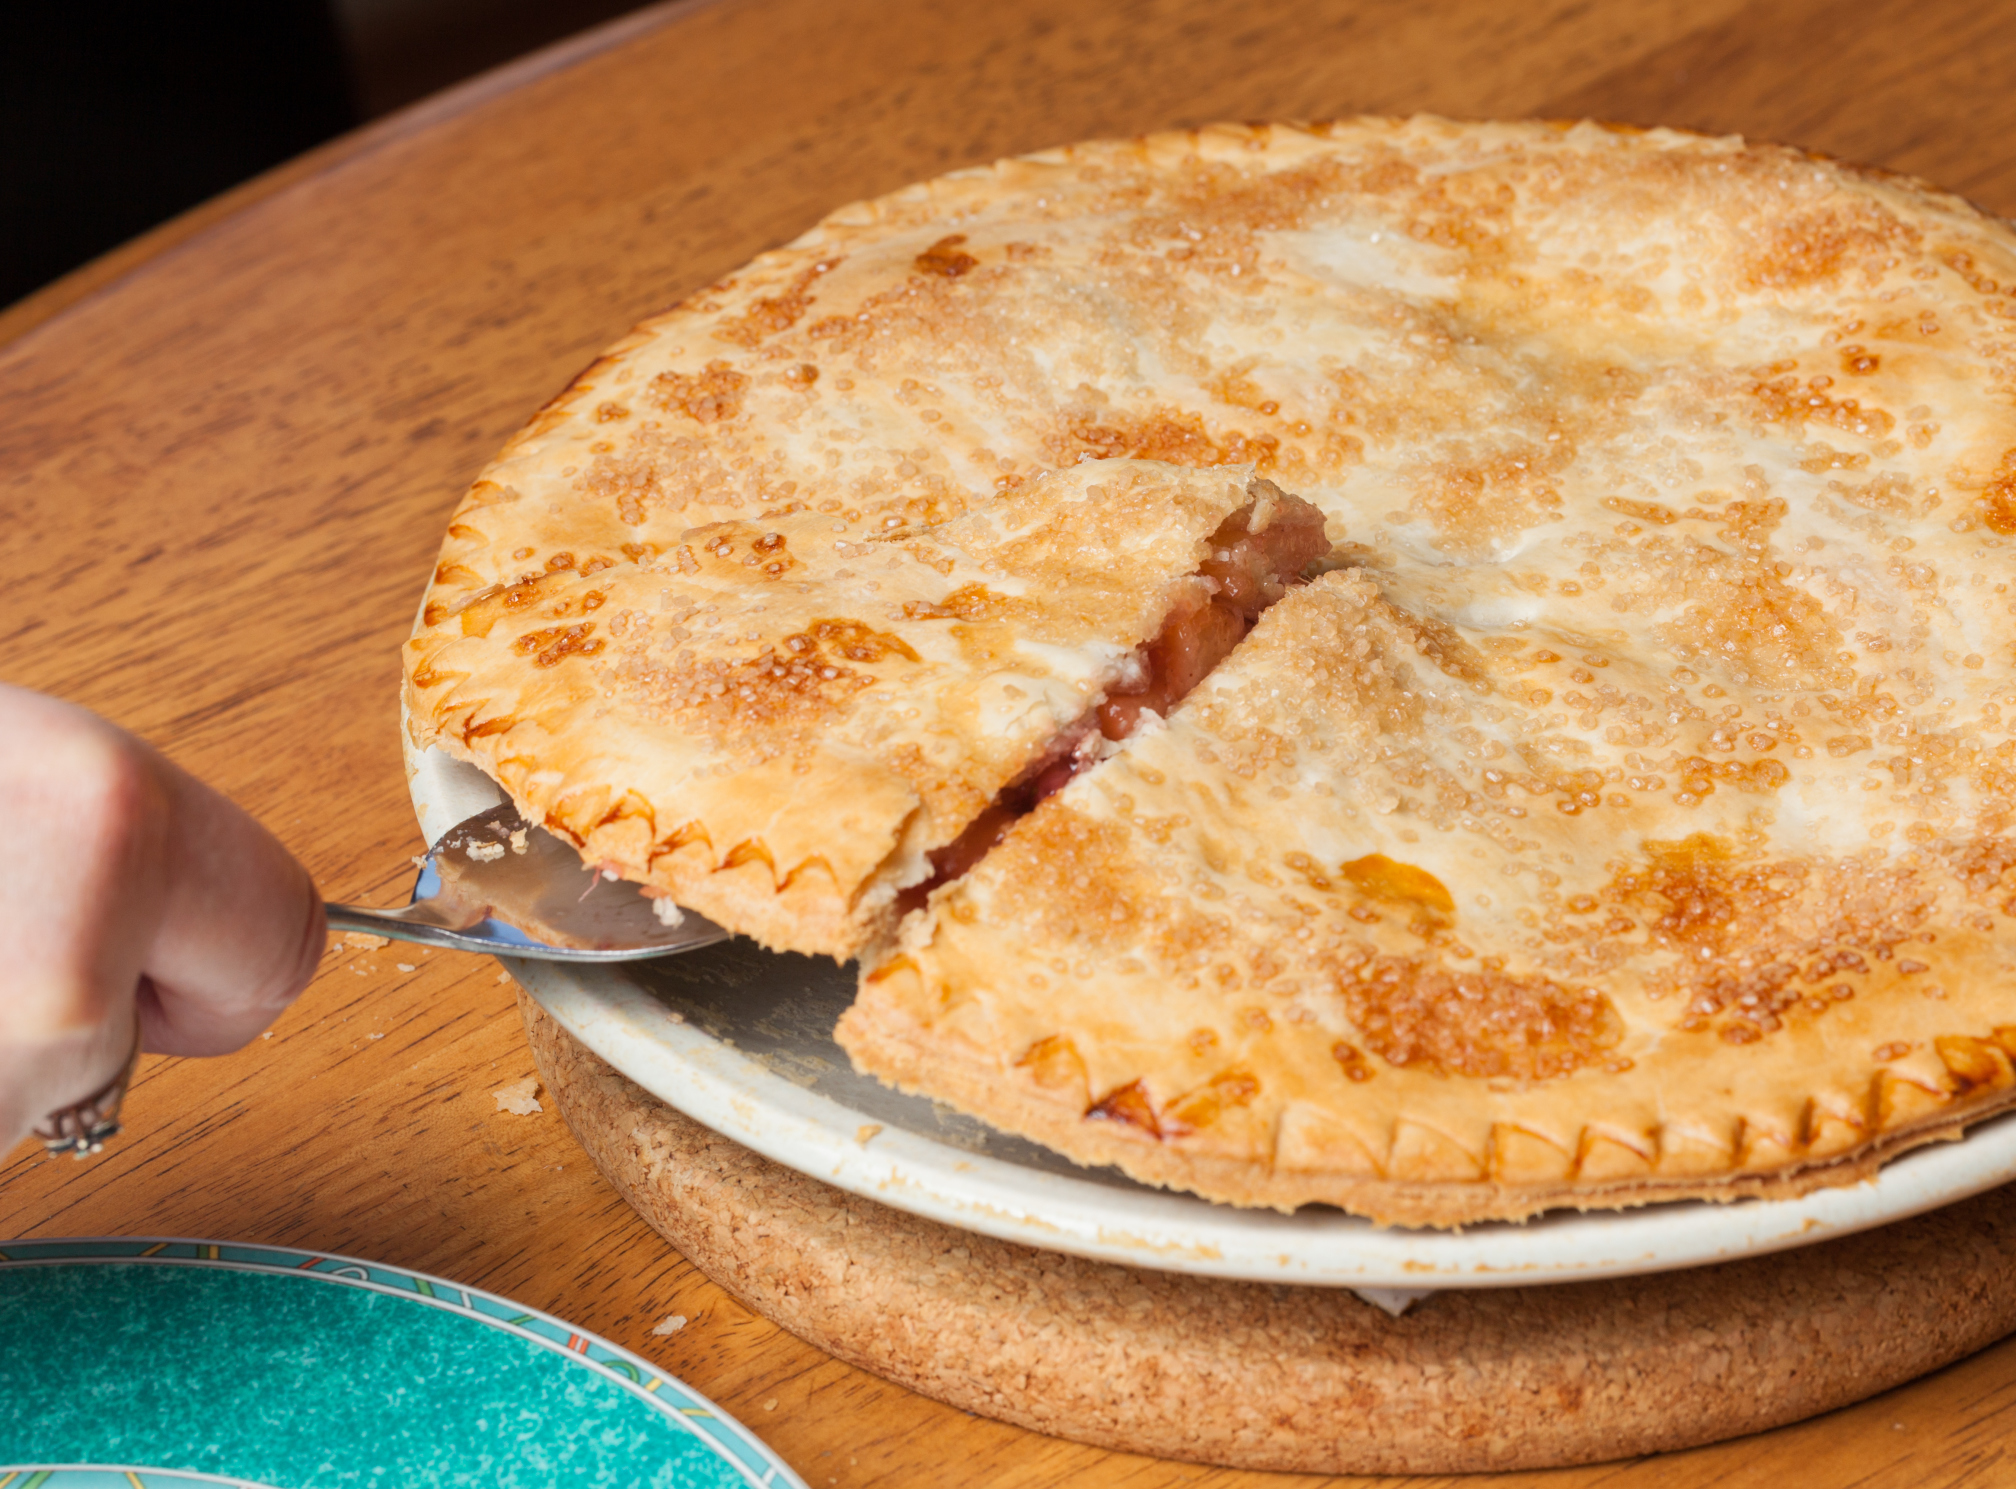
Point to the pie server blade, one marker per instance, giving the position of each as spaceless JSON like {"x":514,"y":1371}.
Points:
{"x":497,"y":884}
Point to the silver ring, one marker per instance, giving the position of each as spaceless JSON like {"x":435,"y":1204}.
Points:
{"x":82,"y":1127}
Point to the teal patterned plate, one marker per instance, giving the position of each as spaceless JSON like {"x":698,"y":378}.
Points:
{"x":134,"y":1363}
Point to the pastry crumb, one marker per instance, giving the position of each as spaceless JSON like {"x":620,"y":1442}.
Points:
{"x":866,"y":1131}
{"x":406,"y":966}
{"x":362,"y":941}
{"x":671,"y":1323}
{"x":520,"y":1098}
{"x":771,"y":1404}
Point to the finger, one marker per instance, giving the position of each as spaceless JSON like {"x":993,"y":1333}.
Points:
{"x":241,"y":929}
{"x":80,"y":900}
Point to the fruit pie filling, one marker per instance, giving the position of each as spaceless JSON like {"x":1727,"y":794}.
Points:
{"x":1256,"y":555}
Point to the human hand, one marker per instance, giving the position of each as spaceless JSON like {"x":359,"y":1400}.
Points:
{"x":127,"y":887}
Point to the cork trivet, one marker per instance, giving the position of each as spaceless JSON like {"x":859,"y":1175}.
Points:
{"x":1315,"y":1380}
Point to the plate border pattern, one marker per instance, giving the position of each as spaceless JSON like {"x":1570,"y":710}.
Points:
{"x":64,"y":1475}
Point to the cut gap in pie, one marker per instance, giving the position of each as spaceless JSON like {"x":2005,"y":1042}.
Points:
{"x":1256,"y":555}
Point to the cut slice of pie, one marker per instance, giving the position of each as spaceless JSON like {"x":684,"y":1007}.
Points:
{"x":785,"y":723}
{"x":1353,"y":928}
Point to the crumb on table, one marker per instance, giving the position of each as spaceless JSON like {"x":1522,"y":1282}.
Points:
{"x":521,"y":1098}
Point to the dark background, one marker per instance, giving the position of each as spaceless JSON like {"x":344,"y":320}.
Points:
{"x":117,"y":115}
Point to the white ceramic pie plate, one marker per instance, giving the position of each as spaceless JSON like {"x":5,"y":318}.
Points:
{"x":740,"y":1040}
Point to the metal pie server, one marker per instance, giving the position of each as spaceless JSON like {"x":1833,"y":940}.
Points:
{"x":495,"y":883}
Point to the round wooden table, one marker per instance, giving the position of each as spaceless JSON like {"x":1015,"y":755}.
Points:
{"x":230,"y":449}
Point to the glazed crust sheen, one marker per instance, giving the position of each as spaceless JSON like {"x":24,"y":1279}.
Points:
{"x":1628,"y":820}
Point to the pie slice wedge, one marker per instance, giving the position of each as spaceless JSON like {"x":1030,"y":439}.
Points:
{"x":786,"y":722}
{"x":1352,"y":928}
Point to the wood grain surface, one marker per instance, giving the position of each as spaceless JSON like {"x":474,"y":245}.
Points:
{"x":226,"y":457}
